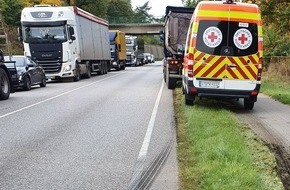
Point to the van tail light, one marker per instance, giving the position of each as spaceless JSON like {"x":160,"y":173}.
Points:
{"x":190,"y":65}
{"x":260,"y":69}
{"x":254,"y":93}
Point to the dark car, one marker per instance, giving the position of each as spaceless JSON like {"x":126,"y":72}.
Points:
{"x":29,"y":73}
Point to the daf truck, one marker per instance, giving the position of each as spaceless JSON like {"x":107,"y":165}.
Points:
{"x":118,"y":49}
{"x":176,"y":24}
{"x":66,"y":41}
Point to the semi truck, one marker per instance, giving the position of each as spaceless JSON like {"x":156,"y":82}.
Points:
{"x":118,"y":49}
{"x":8,"y":76}
{"x":176,"y":23}
{"x":66,"y":41}
{"x":131,"y":50}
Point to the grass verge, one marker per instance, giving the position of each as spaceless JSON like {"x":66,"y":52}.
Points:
{"x":276,"y":87}
{"x":215,"y":151}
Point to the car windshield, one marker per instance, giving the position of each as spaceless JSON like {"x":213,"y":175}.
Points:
{"x":20,"y":61}
{"x":38,"y":34}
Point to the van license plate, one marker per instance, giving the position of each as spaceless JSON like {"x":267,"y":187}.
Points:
{"x":209,"y":84}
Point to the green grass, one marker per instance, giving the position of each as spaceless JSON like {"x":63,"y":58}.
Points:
{"x":217,"y":152}
{"x":276,"y":87}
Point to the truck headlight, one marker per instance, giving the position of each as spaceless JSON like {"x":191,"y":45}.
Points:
{"x":67,"y":68}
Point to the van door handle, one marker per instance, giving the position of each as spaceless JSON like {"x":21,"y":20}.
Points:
{"x":232,"y":66}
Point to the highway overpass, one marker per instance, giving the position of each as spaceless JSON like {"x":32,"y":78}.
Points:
{"x":139,"y":29}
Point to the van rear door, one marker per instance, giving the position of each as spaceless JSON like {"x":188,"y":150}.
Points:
{"x":226,"y":55}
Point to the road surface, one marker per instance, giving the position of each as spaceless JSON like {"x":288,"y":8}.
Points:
{"x":112,"y":131}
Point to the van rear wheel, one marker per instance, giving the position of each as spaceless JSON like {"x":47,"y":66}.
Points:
{"x":248,"y":104}
{"x":189,"y":100}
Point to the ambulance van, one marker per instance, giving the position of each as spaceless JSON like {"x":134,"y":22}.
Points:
{"x":223,"y":53}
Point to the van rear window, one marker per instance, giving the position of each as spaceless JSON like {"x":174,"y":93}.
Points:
{"x":227,"y":38}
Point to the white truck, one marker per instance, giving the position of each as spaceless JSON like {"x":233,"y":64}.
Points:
{"x":66,"y":41}
{"x":131,"y":50}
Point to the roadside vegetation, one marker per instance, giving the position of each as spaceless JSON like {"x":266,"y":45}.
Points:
{"x":216,"y":151}
{"x":276,"y":81}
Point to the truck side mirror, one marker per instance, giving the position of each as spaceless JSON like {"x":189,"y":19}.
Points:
{"x":20,"y":37}
{"x":71,"y":33}
{"x":161,"y":36}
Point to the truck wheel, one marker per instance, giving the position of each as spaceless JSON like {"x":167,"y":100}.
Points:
{"x":43,"y":81}
{"x":171,"y":82}
{"x":123,"y":66}
{"x":106,"y":68}
{"x":118,"y":68}
{"x":164,"y":75}
{"x":4,"y":85}
{"x":248,"y":104}
{"x":26,"y":83}
{"x":77,"y":76}
{"x":189,"y":100}
{"x":88,"y":73}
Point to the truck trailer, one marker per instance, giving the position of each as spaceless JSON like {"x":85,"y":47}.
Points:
{"x":176,"y":23}
{"x":66,"y":41}
{"x":118,"y":49}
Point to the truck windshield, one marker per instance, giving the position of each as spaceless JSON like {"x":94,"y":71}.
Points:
{"x":39,"y":34}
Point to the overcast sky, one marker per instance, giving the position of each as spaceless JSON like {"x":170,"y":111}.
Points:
{"x":157,"y":6}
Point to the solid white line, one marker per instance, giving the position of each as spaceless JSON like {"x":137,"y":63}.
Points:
{"x":54,"y":97}
{"x":147,"y":138}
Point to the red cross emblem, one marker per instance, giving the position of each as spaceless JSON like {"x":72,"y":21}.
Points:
{"x":212,"y":37}
{"x":243,"y":39}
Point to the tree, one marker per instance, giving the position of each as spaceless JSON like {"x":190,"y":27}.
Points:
{"x":141,"y":14}
{"x":275,"y":15}
{"x":98,"y":8}
{"x":120,"y":11}
{"x":11,"y":11}
{"x":190,"y":3}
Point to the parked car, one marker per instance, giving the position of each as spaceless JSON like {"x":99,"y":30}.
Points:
{"x":29,"y":73}
{"x":141,"y":59}
{"x":152,"y":58}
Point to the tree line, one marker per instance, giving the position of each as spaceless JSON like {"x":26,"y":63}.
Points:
{"x":275,"y":16}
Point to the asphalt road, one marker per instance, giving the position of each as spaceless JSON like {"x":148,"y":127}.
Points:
{"x":114,"y":131}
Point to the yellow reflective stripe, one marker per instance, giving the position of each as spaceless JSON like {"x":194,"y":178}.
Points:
{"x":195,"y":27}
{"x":260,"y":31}
{"x":217,"y":68}
{"x":229,"y":14}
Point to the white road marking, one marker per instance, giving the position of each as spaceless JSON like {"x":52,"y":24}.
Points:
{"x":147,"y":138}
{"x":54,"y":97}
